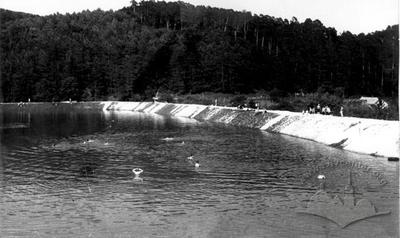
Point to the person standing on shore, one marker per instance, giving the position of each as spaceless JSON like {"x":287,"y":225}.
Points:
{"x":323,"y":110}
{"x":341,"y":111}
{"x":328,"y":110}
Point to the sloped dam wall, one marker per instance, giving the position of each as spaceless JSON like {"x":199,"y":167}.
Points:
{"x":367,"y":136}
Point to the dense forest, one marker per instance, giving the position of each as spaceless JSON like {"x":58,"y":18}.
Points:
{"x":132,"y":53}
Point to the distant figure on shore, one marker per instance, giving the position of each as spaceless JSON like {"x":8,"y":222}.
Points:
{"x":311,"y":110}
{"x":156,"y":97}
{"x":318,"y":109}
{"x":29,"y":100}
{"x":323,"y":110}
{"x":341,"y":111}
{"x":328,"y":110}
{"x":70,"y":100}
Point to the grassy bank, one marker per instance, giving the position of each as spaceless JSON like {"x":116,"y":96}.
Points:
{"x":276,"y":100}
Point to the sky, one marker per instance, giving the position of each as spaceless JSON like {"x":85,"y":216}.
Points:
{"x":356,"y":16}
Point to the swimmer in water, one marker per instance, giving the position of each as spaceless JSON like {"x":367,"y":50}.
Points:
{"x":197,"y":164}
{"x":190,"y":157}
{"x":88,"y":141}
{"x":137,"y":172}
{"x":322,"y":178}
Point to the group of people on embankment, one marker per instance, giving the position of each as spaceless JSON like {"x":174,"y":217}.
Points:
{"x":325,"y":110}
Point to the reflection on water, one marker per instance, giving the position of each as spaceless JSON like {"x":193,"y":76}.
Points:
{"x":69,"y":174}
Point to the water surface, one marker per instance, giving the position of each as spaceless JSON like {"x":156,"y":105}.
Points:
{"x":67,"y":173}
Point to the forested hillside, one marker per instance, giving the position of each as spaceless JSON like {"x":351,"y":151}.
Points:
{"x":131,"y":53}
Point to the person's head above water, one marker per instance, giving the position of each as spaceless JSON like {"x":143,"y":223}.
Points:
{"x":197,"y":164}
{"x":137,"y":170}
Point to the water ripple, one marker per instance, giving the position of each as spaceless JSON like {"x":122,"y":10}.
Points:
{"x":79,"y":182}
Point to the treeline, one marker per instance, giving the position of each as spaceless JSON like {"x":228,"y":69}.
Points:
{"x":132,"y":53}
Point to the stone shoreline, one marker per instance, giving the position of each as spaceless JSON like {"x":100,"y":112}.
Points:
{"x":366,"y":136}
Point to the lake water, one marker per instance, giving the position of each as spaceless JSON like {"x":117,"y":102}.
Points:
{"x":68,"y":173}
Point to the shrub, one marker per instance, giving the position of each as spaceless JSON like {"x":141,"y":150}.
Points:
{"x":276,"y":94}
{"x":266,"y":103}
{"x":87,"y":95}
{"x":135,"y":98}
{"x":165,"y":97}
{"x":333,"y":101}
{"x":251,"y":104}
{"x":196,"y":99}
{"x":238,"y":100}
{"x":115,"y":97}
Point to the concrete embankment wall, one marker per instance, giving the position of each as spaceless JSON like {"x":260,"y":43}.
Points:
{"x":367,"y":136}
